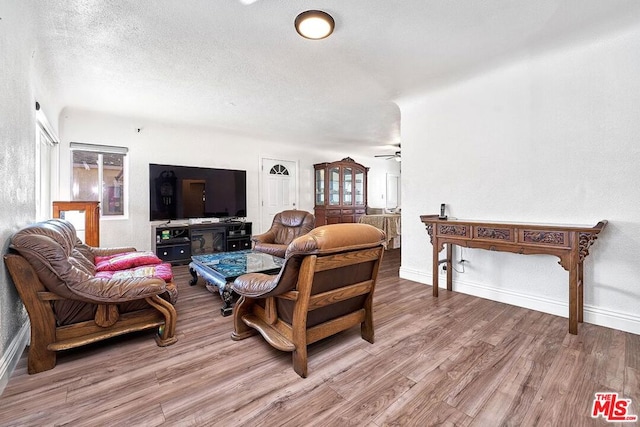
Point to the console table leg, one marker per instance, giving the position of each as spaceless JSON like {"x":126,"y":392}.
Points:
{"x":573,"y":298}
{"x":580,"y":292}
{"x":436,"y":264}
{"x":450,"y":267}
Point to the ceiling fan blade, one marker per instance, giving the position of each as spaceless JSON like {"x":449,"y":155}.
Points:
{"x":396,"y":156}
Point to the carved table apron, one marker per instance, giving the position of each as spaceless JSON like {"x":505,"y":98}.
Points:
{"x":567,"y":242}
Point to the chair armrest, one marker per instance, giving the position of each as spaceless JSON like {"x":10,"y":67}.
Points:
{"x":110,"y":251}
{"x":271,"y":249}
{"x":268,"y":237}
{"x":114,"y":291}
{"x":257,"y":285}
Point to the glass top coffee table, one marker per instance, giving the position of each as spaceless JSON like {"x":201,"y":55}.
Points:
{"x":219,"y":270}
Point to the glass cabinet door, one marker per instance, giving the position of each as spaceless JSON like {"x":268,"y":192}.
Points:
{"x":320,"y":187}
{"x":334,"y":186}
{"x":85,"y":218}
{"x":348,"y":186}
{"x":359,"y":188}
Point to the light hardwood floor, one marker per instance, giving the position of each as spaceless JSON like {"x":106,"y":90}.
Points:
{"x":454,"y":360}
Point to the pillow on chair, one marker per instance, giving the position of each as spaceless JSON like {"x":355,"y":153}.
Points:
{"x":126,"y":260}
{"x":162,"y":271}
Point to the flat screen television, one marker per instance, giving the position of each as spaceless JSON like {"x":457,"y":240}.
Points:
{"x":182,"y":192}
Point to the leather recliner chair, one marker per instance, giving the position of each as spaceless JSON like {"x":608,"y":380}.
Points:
{"x":286,"y":226}
{"x":325,"y":286}
{"x":69,"y":305}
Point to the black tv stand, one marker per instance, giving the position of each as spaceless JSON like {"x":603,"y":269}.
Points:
{"x":176,"y":243}
{"x":231,"y":219}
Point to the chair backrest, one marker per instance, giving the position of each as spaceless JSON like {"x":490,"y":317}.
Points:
{"x":287,"y":225}
{"x":56,"y":254}
{"x":335,"y":258}
{"x":340,"y":254}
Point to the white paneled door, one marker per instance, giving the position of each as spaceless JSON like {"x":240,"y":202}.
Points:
{"x":279,"y":189}
{"x":393,"y":190}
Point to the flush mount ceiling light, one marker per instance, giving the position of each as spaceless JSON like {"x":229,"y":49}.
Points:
{"x":314,"y":24}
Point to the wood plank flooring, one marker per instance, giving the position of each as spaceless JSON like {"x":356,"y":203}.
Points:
{"x":452,"y":360}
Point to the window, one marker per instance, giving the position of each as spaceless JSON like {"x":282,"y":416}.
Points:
{"x":46,"y":159}
{"x":279,"y":170}
{"x":99,"y":173}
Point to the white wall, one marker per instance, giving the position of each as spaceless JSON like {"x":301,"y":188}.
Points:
{"x":17,"y":166}
{"x":550,"y":139}
{"x":190,"y":146}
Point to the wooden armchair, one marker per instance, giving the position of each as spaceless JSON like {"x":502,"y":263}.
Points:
{"x":325,"y":286}
{"x":286,"y":226}
{"x":70,"y":305}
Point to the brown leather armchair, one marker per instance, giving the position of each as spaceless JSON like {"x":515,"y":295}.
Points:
{"x":69,"y":306}
{"x":286,"y":226}
{"x":325,"y":286}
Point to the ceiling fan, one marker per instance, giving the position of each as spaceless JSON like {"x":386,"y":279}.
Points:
{"x":396,"y":155}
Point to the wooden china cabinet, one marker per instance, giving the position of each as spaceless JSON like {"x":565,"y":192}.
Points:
{"x":85,"y":217}
{"x":340,"y":191}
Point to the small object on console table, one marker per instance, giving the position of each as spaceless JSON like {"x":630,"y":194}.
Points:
{"x":442,"y":215}
{"x":570,"y":243}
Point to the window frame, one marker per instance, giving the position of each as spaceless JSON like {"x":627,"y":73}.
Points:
{"x":102,"y":150}
{"x":45,"y":135}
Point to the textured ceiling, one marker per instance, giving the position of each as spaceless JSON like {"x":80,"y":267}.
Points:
{"x":243,"y":68}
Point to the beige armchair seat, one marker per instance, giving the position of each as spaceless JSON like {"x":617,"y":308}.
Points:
{"x":286,"y":226}
{"x":325,"y":286}
{"x":70,"y":305}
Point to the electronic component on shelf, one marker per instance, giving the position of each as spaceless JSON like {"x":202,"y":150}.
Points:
{"x":442,"y":215}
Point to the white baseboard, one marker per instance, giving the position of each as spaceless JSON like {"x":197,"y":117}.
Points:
{"x":594,"y":315}
{"x":11,"y":356}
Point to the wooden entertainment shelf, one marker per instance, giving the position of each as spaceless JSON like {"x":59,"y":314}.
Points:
{"x":570,"y":243}
{"x":177,"y":243}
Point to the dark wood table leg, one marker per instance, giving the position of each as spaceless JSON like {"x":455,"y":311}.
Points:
{"x":228,"y":298}
{"x":449,"y":266}
{"x":194,"y":277}
{"x":436,"y":264}
{"x":573,"y":298}
{"x":580,"y":292}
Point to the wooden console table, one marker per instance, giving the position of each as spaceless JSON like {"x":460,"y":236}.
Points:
{"x":567,"y":242}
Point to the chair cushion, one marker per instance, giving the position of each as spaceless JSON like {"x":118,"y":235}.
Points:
{"x":126,"y":260}
{"x":162,"y":271}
